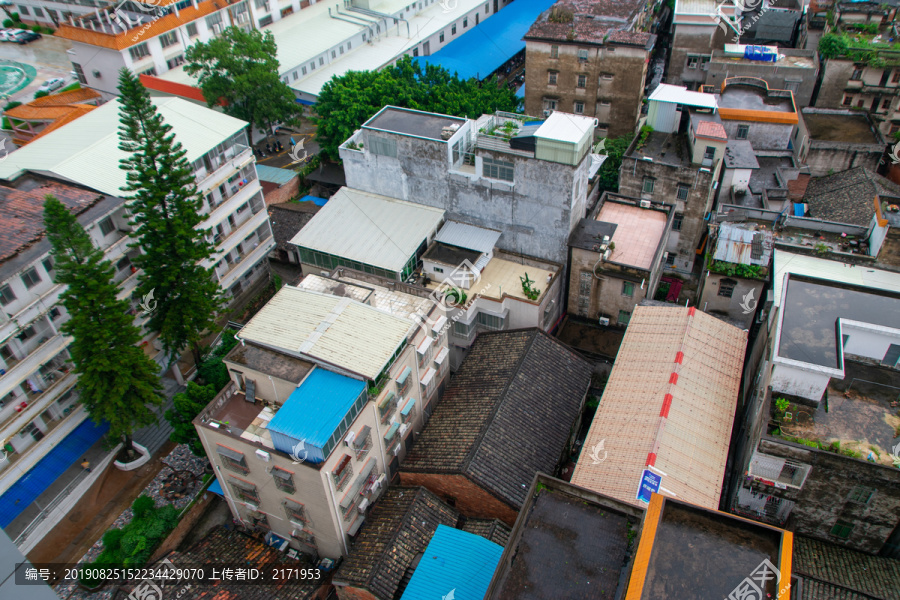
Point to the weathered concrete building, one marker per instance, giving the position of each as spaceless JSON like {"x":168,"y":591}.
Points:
{"x":590,"y":58}
{"x":527,"y":181}
{"x":696,"y":32}
{"x":834,"y":140}
{"x":794,"y":70}
{"x":617,"y":258}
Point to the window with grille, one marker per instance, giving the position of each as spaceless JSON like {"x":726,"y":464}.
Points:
{"x":490,"y":321}
{"x":342,"y":472}
{"x":497,"y":169}
{"x":259,"y":519}
{"x":6,"y":295}
{"x":677,"y":221}
{"x":742,"y":132}
{"x":107,"y":226}
{"x":551,"y":77}
{"x":441,"y":37}
{"x":624,"y":317}
{"x":693,"y":62}
{"x":31,"y":278}
{"x":305,"y":536}
{"x":842,"y":529}
{"x":296,"y":513}
{"x":582,"y":81}
{"x":234,"y":461}
{"x":627,"y":288}
{"x":140,"y":51}
{"x":582,"y":54}
{"x":178,"y":60}
{"x":244,"y":490}
{"x":168,"y":38}
{"x":383,"y":146}
{"x":579,"y":108}
{"x":670,"y":259}
{"x":554,"y":51}
{"x":682,"y":191}
{"x":284,"y":480}
{"x":191,"y":29}
{"x":726,"y":287}
{"x":756,"y":246}
{"x":861,"y":493}
{"x":648,"y":184}
{"x":453,"y":29}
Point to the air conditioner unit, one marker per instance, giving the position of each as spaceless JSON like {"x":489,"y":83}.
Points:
{"x":645,"y":204}
{"x":363,"y":505}
{"x":604,"y":321}
{"x":262,"y":455}
{"x":382,"y":479}
{"x":403,"y":429}
{"x":397,"y":450}
{"x":349,"y":439}
{"x":217,"y":28}
{"x":97,"y":73}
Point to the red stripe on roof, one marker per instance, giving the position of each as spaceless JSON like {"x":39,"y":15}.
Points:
{"x":651,"y":459}
{"x":673,"y":378}
{"x":170,"y":87}
{"x":679,"y":357}
{"x":691,"y":310}
{"x":667,"y":404}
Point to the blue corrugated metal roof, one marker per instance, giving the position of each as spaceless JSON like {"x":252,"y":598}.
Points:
{"x":454,"y":561}
{"x":315,"y":409}
{"x":274,"y":174}
{"x":520,"y":93}
{"x":482,"y":50}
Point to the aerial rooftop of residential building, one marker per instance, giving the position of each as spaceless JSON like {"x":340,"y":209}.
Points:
{"x":636,"y":232}
{"x":598,"y":21}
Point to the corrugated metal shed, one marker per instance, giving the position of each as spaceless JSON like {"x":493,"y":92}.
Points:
{"x":314,"y":410}
{"x":675,"y":385}
{"x":454,"y":561}
{"x":338,"y":330}
{"x":681,"y":95}
{"x":744,"y":244}
{"x":372,"y":229}
{"x":564,"y":127}
{"x":86,"y":151}
{"x":275,"y":175}
{"x":469,"y":237}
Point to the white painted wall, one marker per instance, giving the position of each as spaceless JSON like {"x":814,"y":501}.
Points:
{"x":789,"y":379}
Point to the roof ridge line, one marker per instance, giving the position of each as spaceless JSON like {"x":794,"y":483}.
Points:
{"x":867,"y":594}
{"x":403,"y":521}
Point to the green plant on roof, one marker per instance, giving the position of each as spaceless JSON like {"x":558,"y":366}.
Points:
{"x":455,"y":296}
{"x":527,"y":288}
{"x":781,"y":406}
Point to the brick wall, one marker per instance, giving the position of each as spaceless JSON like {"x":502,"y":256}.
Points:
{"x":282,"y":194}
{"x":468,"y":497}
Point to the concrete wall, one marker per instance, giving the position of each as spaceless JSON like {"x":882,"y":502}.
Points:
{"x":794,"y":381}
{"x":777,"y":75}
{"x":693,"y":39}
{"x":889,"y":255}
{"x":269,"y":389}
{"x":623,"y":92}
{"x":835,"y":75}
{"x":824,"y":497}
{"x":711,"y":302}
{"x":824,"y":158}
{"x":463,"y":494}
{"x":869,"y":341}
{"x":606,"y":295}
{"x":763,"y":136}
{"x":536,"y":213}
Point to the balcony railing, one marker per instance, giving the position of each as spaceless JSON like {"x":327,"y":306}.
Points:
{"x":217,"y":162}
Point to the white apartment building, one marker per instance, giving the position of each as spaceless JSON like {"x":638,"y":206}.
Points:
{"x":331,"y":383}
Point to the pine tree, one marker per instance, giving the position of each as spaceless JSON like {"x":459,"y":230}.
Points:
{"x":117,"y":381}
{"x":165,"y":207}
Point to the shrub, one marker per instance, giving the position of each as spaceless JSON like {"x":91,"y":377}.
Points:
{"x":12,"y":105}
{"x":143,"y":506}
{"x":15,"y":17}
{"x":112,"y":538}
{"x":40,"y":94}
{"x":36,"y":28}
{"x":832,"y":45}
{"x":48,"y":30}
{"x":213,"y":372}
{"x":8,"y":23}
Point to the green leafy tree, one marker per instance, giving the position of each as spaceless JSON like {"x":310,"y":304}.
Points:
{"x":187,"y":405}
{"x":165,"y":208}
{"x":241,"y":69}
{"x":117,"y":382}
{"x":609,"y":172}
{"x":832,"y":45}
{"x":346,"y":102}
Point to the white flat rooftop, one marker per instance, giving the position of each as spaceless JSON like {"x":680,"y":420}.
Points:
{"x":565,"y":127}
{"x":677,"y":94}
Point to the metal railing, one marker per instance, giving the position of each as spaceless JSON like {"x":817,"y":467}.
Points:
{"x":45,"y":511}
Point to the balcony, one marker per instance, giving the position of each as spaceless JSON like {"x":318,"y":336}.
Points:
{"x":32,"y":311}
{"x":20,"y":463}
{"x":218,"y":168}
{"x":30,"y":364}
{"x":37,"y":403}
{"x":247,"y":258}
{"x":220,"y":209}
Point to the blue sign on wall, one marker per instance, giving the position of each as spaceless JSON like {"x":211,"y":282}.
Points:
{"x":649,"y":483}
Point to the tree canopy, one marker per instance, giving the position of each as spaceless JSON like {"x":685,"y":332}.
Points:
{"x":165,"y":209}
{"x":241,"y":69}
{"x":348,"y":101}
{"x":186,"y":406}
{"x":117,"y":381}
{"x":832,"y":45}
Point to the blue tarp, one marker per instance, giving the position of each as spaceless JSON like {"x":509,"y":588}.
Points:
{"x":31,"y":485}
{"x":314,"y":199}
{"x":485,"y":48}
{"x":520,"y":93}
{"x":216,"y":488}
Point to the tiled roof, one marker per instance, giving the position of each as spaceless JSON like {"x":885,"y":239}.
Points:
{"x":589,"y":29}
{"x":711,"y":129}
{"x":669,"y":402}
{"x":847,"y":196}
{"x":398,"y":528}
{"x":288,"y":219}
{"x":57,"y":109}
{"x":490,"y":529}
{"x":821,"y":563}
{"x":22,"y":213}
{"x":227,"y":547}
{"x":507,"y":413}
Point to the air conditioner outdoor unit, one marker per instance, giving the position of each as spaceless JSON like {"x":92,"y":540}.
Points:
{"x":349,"y":439}
{"x":382,"y":479}
{"x":403,"y":429}
{"x":262,"y":455}
{"x":217,"y":28}
{"x":397,"y":450}
{"x":604,"y":321}
{"x":363,"y":505}
{"x":645,"y":204}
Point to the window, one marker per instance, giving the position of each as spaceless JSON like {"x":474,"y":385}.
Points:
{"x":192,"y":29}
{"x":267,"y":20}
{"x":213,"y":20}
{"x":627,"y":288}
{"x":453,"y":29}
{"x":168,"y":38}
{"x":23,"y":10}
{"x":490,"y":321}
{"x":333,"y":54}
{"x":303,"y":70}
{"x":550,"y":103}
{"x":232,"y":459}
{"x":551,"y":77}
{"x":244,"y":490}
{"x":284,"y":480}
{"x":709,"y":153}
{"x":487,"y":8}
{"x":861,"y":493}
{"x":48,"y":264}
{"x":606,"y":77}
{"x":579,"y":108}
{"x":383,"y":146}
{"x":38,"y":12}
{"x":312,"y":66}
{"x":465,"y":22}
{"x":693,"y":62}
{"x":349,"y":45}
{"x":792,"y":85}
{"x":79,"y":73}
{"x":321,"y":60}
{"x":886,"y":105}
{"x":554,"y":51}
{"x":341,"y":49}
{"x":26,"y":334}
{"x":891,"y":356}
{"x":441,"y":37}
{"x":107,"y":226}
{"x":295,"y":75}
{"x":670,"y":259}
{"x":140,"y":51}
{"x":742,"y":132}
{"x":262,"y":4}
{"x":497,"y":169}
{"x":677,"y":221}
{"x":582,"y":81}
{"x":842,"y":529}
{"x":624,"y":317}
{"x":54,"y":313}
{"x":895,"y":78}
{"x":123,"y":263}
{"x":31,"y":278}
{"x":682,"y":191}
{"x":178,"y":60}
{"x":647,"y":187}
{"x":6,"y":295}
{"x":582,"y":55}
{"x":416,"y":51}
{"x":726,"y":288}
{"x":342,"y":472}
{"x":857,"y":75}
{"x":296,"y":512}
{"x":848,"y":101}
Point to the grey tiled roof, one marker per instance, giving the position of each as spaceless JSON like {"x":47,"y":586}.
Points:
{"x":397,"y":529}
{"x":490,"y":529}
{"x":507,"y":414}
{"x":848,"y":196}
{"x":821,"y":563}
{"x":289,"y":218}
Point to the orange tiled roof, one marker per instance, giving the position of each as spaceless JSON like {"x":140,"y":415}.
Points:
{"x":79,"y":96}
{"x":711,"y":129}
{"x":59,"y":109}
{"x":120,"y":41}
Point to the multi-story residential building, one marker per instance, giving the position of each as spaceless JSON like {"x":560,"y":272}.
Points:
{"x":831,"y":140}
{"x":776,"y":22}
{"x":617,"y":258}
{"x":815,"y":453}
{"x":528,"y":181}
{"x":39,"y":410}
{"x":698,"y":28}
{"x":794,"y":70}
{"x":86,"y":152}
{"x":511,"y":411}
{"x":328,"y":391}
{"x":50,"y":13}
{"x":674,"y":364}
{"x":590,"y":59}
